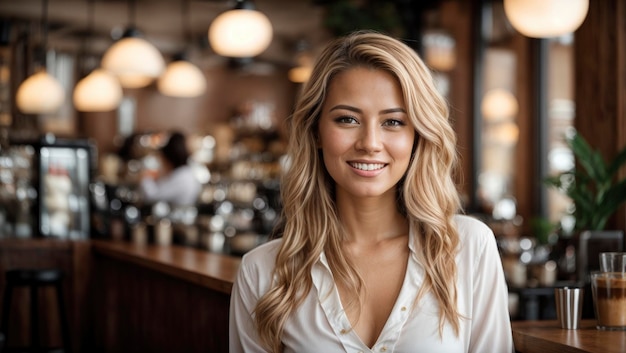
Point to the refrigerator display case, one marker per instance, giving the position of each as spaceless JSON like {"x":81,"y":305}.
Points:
{"x":65,"y":170}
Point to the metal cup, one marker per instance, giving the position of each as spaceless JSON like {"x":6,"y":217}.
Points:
{"x":569,"y":306}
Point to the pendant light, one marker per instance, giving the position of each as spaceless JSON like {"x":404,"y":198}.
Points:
{"x":182,"y":78}
{"x":40,"y":93}
{"x":99,"y":91}
{"x":301,"y":72}
{"x":546,"y":18}
{"x":242,"y":32}
{"x":134,"y":61}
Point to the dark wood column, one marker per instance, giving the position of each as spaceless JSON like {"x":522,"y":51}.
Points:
{"x":601,"y":82}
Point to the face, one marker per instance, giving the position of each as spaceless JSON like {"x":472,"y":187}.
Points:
{"x":364,"y":133}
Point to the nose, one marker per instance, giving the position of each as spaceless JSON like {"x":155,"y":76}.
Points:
{"x":370,"y":139}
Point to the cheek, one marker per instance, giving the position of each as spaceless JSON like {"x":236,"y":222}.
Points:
{"x":333,"y":142}
{"x":402,"y":147}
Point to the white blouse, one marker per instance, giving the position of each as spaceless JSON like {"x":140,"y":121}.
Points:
{"x":320,"y":324}
{"x":180,"y":187}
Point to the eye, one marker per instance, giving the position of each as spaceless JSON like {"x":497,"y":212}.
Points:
{"x":346,"y":119}
{"x":394,"y":122}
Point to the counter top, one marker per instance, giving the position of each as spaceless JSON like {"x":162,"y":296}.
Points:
{"x":214,"y":271}
{"x":547,"y":336}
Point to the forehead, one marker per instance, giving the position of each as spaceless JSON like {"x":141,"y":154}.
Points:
{"x":364,"y":83}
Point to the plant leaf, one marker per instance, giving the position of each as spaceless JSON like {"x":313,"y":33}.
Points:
{"x":617,"y":162}
{"x":589,"y":159}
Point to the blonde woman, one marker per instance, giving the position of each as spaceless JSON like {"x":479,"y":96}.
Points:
{"x":373,"y":255}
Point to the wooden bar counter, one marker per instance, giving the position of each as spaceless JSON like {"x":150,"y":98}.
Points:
{"x":129,"y":298}
{"x":548,"y":337}
{"x":213,"y":271}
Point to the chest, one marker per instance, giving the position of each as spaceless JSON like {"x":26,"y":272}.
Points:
{"x":383,"y":275}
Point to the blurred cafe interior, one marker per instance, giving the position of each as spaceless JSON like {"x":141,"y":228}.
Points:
{"x":91,"y":91}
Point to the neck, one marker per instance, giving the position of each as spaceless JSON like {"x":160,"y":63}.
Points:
{"x":371,"y":219}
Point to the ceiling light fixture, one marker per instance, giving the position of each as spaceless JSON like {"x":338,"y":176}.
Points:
{"x":133,"y":59}
{"x":242,"y":32}
{"x":99,"y":91}
{"x":182,"y":78}
{"x":546,"y":18}
{"x":40,"y":93}
{"x":304,"y":63}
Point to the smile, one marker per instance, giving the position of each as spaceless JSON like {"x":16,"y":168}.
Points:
{"x":367,"y":166}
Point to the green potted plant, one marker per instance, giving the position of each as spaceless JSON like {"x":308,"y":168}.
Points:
{"x":592,"y":185}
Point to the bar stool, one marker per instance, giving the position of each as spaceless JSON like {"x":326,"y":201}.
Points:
{"x":34,"y":279}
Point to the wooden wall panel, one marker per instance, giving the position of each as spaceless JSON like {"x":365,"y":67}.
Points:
{"x":601,"y":82}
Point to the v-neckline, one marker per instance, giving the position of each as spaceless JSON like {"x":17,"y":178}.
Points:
{"x":335,"y":313}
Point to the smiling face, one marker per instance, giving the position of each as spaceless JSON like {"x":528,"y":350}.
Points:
{"x":364,"y":133}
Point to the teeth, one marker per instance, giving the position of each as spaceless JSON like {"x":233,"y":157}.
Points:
{"x":366,"y":166}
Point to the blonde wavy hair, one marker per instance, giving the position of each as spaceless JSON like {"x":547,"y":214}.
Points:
{"x":427,"y":194}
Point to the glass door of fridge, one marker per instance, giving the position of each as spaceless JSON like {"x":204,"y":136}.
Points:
{"x":64,"y":208}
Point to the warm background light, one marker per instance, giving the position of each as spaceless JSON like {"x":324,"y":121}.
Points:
{"x":240,"y":33}
{"x":499,"y":104}
{"x":439,"y":51}
{"x":134,"y":61}
{"x":546,"y":18}
{"x":182,"y":79}
{"x":40,"y":94}
{"x":98,"y":92}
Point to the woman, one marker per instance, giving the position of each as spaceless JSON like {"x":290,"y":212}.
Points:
{"x":373,"y":255}
{"x":176,"y":183}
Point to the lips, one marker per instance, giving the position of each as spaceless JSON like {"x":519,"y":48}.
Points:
{"x":367,"y":166}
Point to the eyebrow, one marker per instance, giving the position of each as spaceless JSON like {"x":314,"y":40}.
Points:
{"x":357,"y":110}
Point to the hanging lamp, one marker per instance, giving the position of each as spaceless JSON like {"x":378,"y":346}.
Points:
{"x":301,"y":72}
{"x":134,"y":61}
{"x":242,"y":32}
{"x":40,"y":93}
{"x":99,"y":91}
{"x":182,"y":78}
{"x":546,"y":18}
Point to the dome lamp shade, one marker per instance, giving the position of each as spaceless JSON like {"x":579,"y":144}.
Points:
{"x":182,"y":79}
{"x":99,"y":91}
{"x":134,"y":61}
{"x":40,"y":93}
{"x":546,"y":18}
{"x":242,"y":32}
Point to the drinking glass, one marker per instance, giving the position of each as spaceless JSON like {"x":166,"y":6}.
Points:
{"x":609,"y":300}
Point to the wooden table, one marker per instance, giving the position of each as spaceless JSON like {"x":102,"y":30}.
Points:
{"x":547,"y":336}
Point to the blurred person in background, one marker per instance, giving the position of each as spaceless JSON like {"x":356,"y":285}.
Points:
{"x":175,"y":181}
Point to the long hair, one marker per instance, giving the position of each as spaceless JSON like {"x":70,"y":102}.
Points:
{"x":427,"y":194}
